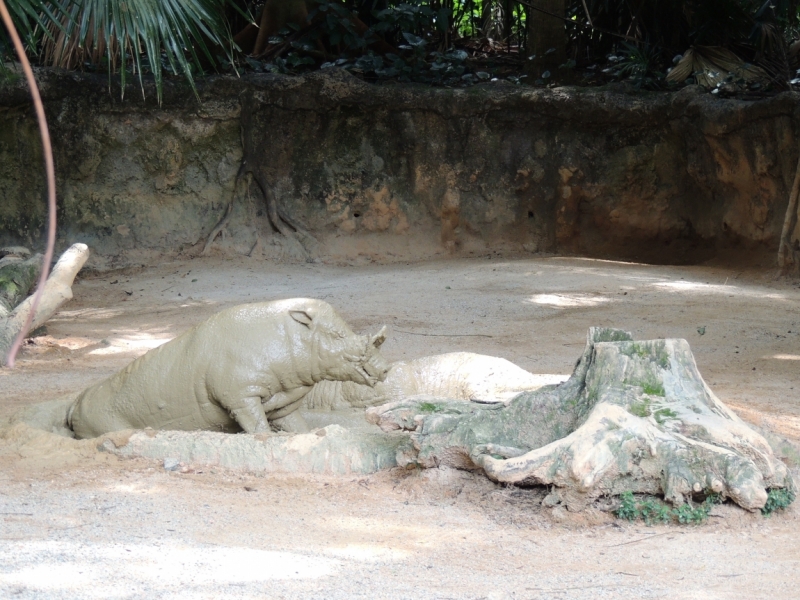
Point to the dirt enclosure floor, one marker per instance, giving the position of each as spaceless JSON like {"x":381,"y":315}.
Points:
{"x":91,"y":525}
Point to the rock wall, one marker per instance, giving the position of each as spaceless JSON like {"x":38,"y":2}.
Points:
{"x":402,"y":170}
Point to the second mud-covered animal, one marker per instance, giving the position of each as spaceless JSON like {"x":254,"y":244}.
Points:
{"x":233,"y":372}
{"x":455,"y":376}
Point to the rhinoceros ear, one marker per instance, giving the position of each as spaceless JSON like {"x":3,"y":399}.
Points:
{"x":379,"y":337}
{"x":303,"y":317}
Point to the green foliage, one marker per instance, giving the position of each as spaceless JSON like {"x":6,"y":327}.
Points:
{"x":30,"y":18}
{"x":434,"y":68}
{"x":778,"y":499}
{"x":636,"y":40}
{"x":653,"y":511}
{"x":637,"y":64}
{"x":416,"y":17}
{"x":25,"y":18}
{"x":336,"y":26}
{"x":27,"y":14}
{"x":628,"y":508}
{"x":415,"y":28}
{"x":687,"y":514}
{"x":176,"y":36}
{"x":755,"y":30}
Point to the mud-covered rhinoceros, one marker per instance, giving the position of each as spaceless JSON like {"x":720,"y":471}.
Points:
{"x":237,"y":370}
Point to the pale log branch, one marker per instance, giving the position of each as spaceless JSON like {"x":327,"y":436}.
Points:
{"x":57,"y":291}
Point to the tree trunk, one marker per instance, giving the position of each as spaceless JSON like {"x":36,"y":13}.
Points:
{"x":547,"y":36}
{"x":634,"y":416}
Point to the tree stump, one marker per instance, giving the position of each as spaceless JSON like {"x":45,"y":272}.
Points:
{"x":634,"y":416}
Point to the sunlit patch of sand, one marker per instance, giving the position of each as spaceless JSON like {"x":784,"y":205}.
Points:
{"x":568,"y":300}
{"x":131,"y":343}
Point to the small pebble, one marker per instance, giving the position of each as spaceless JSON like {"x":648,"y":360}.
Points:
{"x":171,"y":464}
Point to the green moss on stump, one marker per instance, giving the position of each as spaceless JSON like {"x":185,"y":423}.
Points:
{"x":16,"y":280}
{"x":430,"y":407}
{"x":640,"y":408}
{"x":664,"y":414}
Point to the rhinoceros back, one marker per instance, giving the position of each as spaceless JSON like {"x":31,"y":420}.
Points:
{"x":254,"y":350}
{"x":160,"y":389}
{"x":172,"y":386}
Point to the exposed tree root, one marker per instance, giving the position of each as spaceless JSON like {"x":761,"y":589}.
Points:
{"x":634,"y":416}
{"x":289,"y":227}
{"x":219,"y":228}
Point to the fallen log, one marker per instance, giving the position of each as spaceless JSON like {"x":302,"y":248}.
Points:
{"x":57,"y":291}
{"x":17,"y":277}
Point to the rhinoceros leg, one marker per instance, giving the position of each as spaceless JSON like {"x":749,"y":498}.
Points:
{"x":283,"y":403}
{"x":252,"y":413}
{"x":280,"y":410}
{"x":249,"y":414}
{"x":634,"y":416}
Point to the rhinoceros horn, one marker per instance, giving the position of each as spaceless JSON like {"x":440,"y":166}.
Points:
{"x":379,"y":337}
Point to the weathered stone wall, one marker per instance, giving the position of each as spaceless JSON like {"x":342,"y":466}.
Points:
{"x":382,"y":170}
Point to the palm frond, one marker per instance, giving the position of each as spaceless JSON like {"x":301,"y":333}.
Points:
{"x":27,"y":15}
{"x":712,"y":65}
{"x":138,"y":35}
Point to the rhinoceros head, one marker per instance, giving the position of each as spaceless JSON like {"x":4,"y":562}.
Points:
{"x":338,"y":353}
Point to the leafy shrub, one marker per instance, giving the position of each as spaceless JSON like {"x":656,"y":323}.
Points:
{"x":778,"y":499}
{"x":653,"y":511}
{"x":628,"y":509}
{"x":687,"y":514}
{"x":639,"y":65}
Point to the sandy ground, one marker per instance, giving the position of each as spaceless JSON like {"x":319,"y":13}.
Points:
{"x":94,"y":526}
